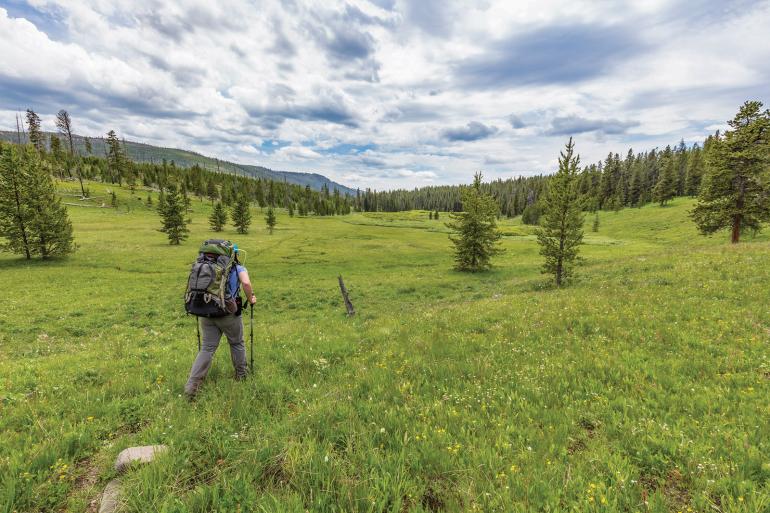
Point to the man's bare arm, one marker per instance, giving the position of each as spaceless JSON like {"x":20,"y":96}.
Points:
{"x":243,"y":276}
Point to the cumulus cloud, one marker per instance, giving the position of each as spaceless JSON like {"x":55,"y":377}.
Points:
{"x":424,"y":175}
{"x":473,"y":131}
{"x":301,"y":152}
{"x":516,"y":121}
{"x":558,"y":54}
{"x":570,"y":125}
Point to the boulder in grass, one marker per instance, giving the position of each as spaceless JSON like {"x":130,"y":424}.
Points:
{"x":110,"y":497}
{"x":144,"y":454}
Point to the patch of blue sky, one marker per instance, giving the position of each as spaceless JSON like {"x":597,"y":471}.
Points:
{"x":270,"y":146}
{"x":346,"y":149}
{"x":47,"y":20}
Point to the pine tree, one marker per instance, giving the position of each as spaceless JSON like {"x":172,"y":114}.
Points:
{"x":665,"y":188}
{"x":148,"y":202}
{"x":50,"y":228}
{"x":34,"y":132}
{"x":211,"y":190}
{"x":430,"y":215}
{"x":635,"y":187}
{"x":113,"y":199}
{"x":218,"y":217}
{"x":55,"y":146}
{"x":694,"y":172}
{"x":270,"y":220}
{"x":186,"y":199}
{"x":595,"y":226}
{"x":64,"y":125}
{"x":561,"y":231}
{"x":475,"y":235}
{"x":531,"y":214}
{"x":735,"y":192}
{"x":241,"y":214}
{"x":15,"y":212}
{"x":89,"y":147}
{"x":291,"y":209}
{"x":173,"y":217}
{"x":435,"y":215}
{"x":115,"y":157}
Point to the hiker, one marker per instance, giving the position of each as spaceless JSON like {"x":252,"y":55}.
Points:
{"x":218,"y":304}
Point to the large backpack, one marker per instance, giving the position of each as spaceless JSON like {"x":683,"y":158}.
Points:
{"x":207,"y":292}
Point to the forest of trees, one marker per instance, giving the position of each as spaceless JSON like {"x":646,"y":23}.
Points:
{"x":631,"y":181}
{"x":68,"y":162}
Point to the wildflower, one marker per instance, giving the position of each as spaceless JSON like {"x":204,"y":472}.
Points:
{"x":89,"y":419}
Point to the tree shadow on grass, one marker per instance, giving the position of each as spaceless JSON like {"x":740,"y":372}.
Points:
{"x":20,"y":262}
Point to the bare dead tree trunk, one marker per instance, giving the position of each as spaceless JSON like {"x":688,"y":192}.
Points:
{"x":348,"y":304}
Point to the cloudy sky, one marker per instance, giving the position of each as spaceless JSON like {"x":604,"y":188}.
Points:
{"x":388,"y":93}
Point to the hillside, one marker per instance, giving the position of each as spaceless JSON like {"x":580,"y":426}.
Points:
{"x":141,"y":152}
{"x":643,"y":386}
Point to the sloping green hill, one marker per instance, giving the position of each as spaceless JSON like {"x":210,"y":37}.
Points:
{"x":141,"y":152}
{"x":643,"y":386}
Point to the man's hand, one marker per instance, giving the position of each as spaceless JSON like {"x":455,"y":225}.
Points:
{"x":252,"y":299}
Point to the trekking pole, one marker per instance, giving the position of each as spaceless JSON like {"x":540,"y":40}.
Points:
{"x":198,"y":331}
{"x":251,"y":335}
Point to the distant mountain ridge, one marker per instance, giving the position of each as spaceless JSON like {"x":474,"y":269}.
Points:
{"x":142,"y":152}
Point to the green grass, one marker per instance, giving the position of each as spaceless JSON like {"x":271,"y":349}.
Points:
{"x":644,"y":386}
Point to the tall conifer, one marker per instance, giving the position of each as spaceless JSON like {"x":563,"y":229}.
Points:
{"x":172,"y":215}
{"x":665,"y":187}
{"x":735,"y":193}
{"x":474,"y":230}
{"x":241,"y":214}
{"x":561,"y":231}
{"x":15,"y":211}
{"x":218,"y":217}
{"x":270,"y":220}
{"x":34,"y":131}
{"x":50,"y":226}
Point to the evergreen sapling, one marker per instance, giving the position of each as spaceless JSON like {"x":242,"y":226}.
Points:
{"x":172,"y":215}
{"x":241,"y":214}
{"x":561,"y":232}
{"x":270,"y":220}
{"x":218,"y":217}
{"x":475,"y":235}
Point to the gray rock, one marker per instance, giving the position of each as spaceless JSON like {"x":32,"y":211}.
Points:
{"x":144,"y":454}
{"x":110,"y":497}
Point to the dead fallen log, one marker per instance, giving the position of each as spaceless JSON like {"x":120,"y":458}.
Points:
{"x":348,"y":304}
{"x":87,"y":206}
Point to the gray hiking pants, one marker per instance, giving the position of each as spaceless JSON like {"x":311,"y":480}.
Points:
{"x":211,"y":331}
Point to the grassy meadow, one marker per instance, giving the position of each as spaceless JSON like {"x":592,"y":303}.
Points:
{"x":642,"y":387}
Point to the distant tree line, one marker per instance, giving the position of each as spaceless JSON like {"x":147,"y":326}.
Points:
{"x":69,"y":161}
{"x":614,"y":183}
